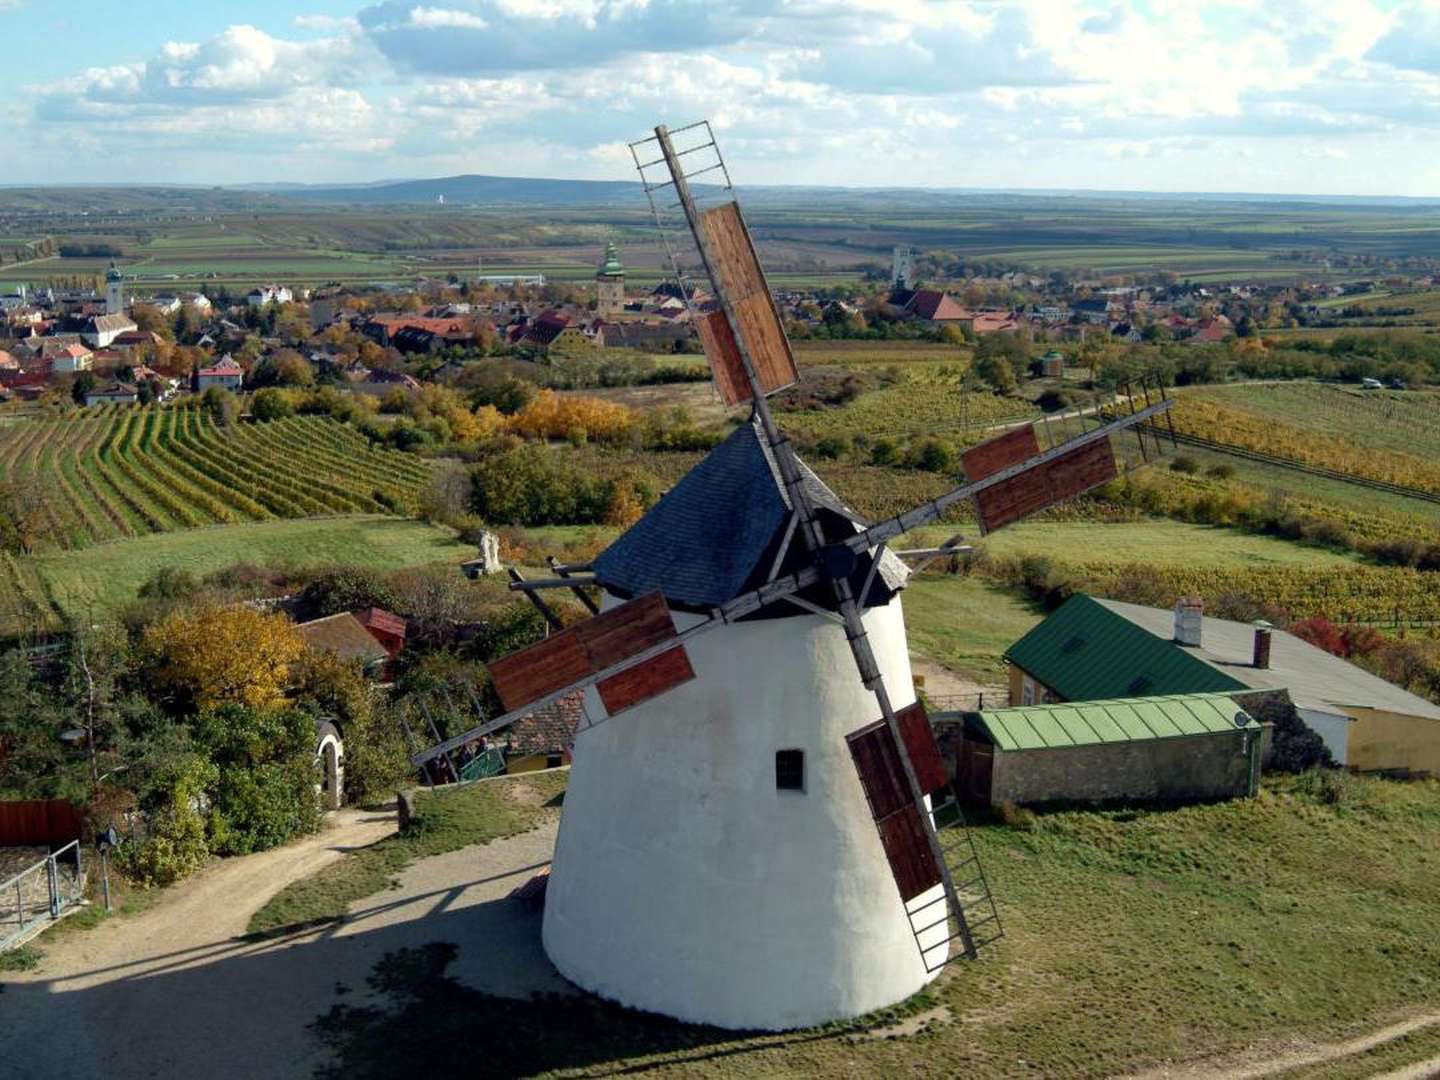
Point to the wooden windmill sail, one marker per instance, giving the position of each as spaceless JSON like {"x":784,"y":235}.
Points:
{"x":793,"y":548}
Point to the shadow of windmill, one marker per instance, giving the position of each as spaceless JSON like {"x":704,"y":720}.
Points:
{"x":395,"y":999}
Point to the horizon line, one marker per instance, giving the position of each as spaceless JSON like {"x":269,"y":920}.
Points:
{"x":278,"y":187}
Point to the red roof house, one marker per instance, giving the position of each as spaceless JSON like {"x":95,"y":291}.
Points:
{"x":385,"y":627}
{"x":937,"y":307}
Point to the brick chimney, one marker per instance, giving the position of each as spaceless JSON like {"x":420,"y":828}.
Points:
{"x":1261,"y":657}
{"x":1189,"y":619}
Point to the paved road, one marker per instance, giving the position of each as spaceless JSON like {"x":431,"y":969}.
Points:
{"x":173,"y":992}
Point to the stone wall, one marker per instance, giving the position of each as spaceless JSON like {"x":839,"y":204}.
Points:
{"x":1194,"y":768}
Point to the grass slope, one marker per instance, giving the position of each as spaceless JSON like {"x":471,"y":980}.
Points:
{"x":102,"y":578}
{"x":1134,"y":937}
{"x":965,"y":624}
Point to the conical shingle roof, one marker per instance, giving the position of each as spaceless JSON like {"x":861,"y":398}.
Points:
{"x":719,"y":531}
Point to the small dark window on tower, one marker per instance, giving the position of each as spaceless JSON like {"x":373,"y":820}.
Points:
{"x":790,"y":770}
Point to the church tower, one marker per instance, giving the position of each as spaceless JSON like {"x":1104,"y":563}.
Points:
{"x":610,"y":284}
{"x":114,"y":291}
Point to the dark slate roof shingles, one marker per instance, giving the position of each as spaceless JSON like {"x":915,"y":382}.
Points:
{"x":716,"y":533}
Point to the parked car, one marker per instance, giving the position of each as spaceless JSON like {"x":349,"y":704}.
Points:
{"x":1372,"y":384}
{"x":1397,"y":384}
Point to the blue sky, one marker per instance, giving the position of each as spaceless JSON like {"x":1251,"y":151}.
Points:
{"x":1337,"y":97}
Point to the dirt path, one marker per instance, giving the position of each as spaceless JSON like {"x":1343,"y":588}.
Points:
{"x":1269,"y":1060}
{"x":941,"y":684}
{"x":176,"y":992}
{"x":87,"y":1009}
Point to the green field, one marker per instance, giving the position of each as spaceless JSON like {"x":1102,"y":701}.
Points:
{"x":1135,"y":938}
{"x":1158,"y":542}
{"x":100,"y":580}
{"x":919,"y":403}
{"x":964,"y":623}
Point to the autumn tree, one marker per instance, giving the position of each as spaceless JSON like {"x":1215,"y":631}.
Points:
{"x":213,"y":655}
{"x":150,"y":318}
{"x":24,"y":513}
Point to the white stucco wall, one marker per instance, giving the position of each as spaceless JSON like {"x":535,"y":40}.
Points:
{"x":684,"y":883}
{"x":1333,"y":729}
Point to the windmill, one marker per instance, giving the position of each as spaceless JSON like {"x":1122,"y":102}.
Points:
{"x":767,"y":838}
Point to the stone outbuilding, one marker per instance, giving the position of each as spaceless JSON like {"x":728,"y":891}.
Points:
{"x":1180,"y":749}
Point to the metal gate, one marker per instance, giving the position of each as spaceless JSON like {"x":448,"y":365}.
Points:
{"x":40,"y":894}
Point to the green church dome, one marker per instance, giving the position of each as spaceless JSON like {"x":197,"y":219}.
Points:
{"x":611,"y":266}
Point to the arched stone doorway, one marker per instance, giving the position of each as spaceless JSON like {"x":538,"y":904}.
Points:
{"x":330,"y":762}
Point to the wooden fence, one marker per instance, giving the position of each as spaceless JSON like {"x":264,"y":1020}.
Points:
{"x":38,"y":823}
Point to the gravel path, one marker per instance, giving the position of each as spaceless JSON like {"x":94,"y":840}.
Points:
{"x":1267,"y":1060}
{"x":174,"y":992}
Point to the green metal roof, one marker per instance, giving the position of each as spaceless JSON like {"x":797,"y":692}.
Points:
{"x":611,"y":266}
{"x":1086,"y":652}
{"x":1087,"y":723}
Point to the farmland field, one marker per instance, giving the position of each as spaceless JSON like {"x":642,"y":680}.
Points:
{"x":235,"y":238}
{"x":1369,"y":513}
{"x":1388,"y":436}
{"x":113,"y":478}
{"x":916,"y":404}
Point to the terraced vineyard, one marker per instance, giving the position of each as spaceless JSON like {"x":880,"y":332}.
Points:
{"x":119,"y":471}
{"x":1391,"y":438}
{"x":1358,"y":593}
{"x":24,"y":605}
{"x":918,"y":404}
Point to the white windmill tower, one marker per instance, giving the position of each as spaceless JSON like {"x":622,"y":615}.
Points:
{"x":754,"y":845}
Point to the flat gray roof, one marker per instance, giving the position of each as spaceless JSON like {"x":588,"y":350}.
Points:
{"x":1315,"y":678}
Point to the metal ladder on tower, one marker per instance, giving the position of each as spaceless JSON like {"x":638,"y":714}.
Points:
{"x":957,"y":846}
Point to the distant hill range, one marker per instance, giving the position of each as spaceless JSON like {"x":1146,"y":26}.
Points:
{"x":465,"y":190}
{"x":472,"y":190}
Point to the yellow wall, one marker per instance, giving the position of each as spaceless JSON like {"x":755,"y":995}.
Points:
{"x":1384,"y":740}
{"x":528,"y":763}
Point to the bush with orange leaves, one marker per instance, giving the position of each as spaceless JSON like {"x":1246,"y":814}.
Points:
{"x":555,"y":416}
{"x":216,"y":655}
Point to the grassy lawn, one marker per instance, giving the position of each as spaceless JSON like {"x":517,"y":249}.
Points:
{"x":964,"y":623}
{"x":445,"y":820}
{"x":1133,"y":937}
{"x":1150,"y":541}
{"x":102,"y":578}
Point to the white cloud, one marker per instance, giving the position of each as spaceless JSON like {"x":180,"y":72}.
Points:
{"x":326,"y":23}
{"x":429,"y":18}
{"x":1051,"y":92}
